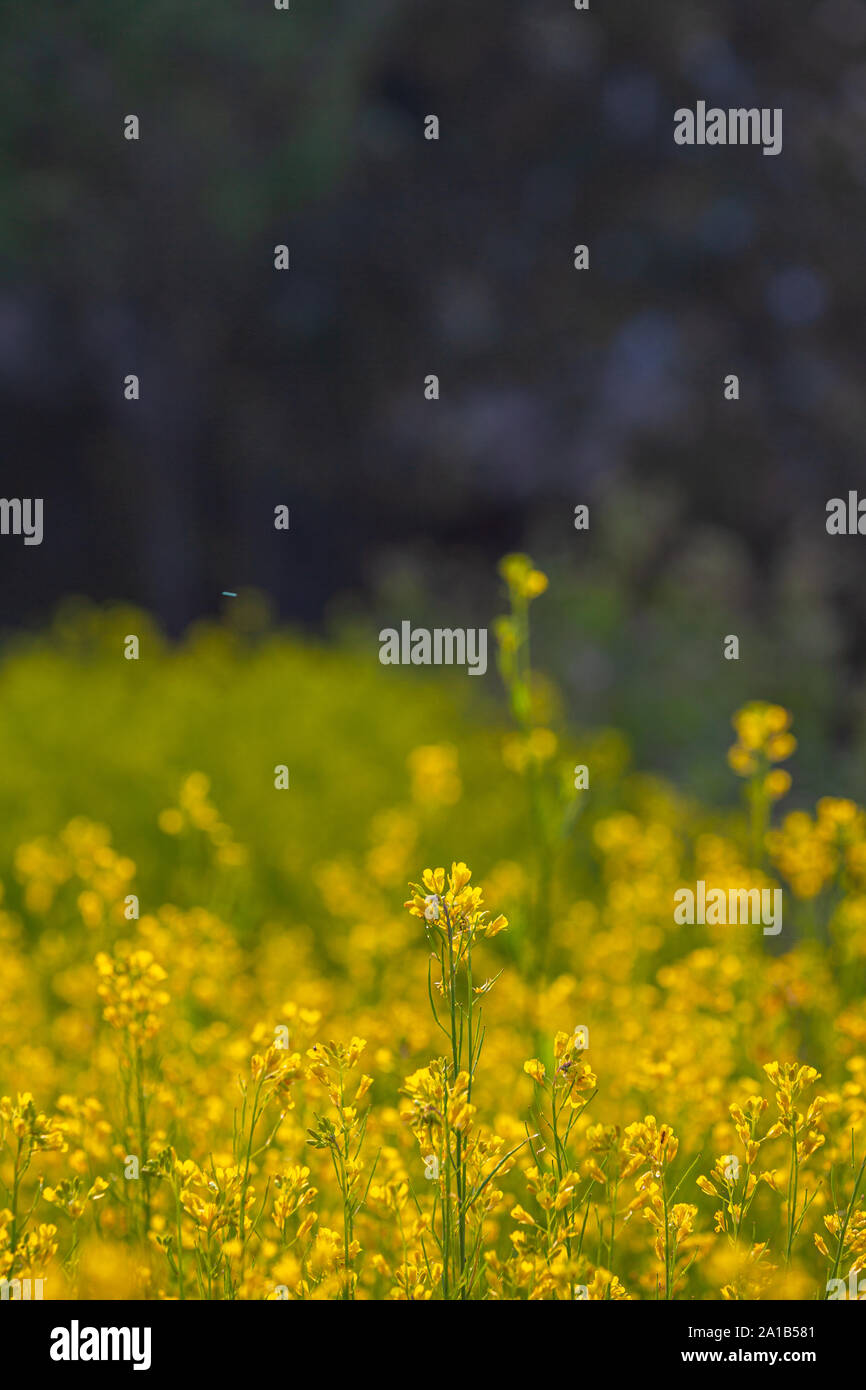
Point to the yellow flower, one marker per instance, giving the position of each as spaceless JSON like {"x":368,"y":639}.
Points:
{"x":524,"y":581}
{"x":777,"y":783}
{"x":521,"y":1216}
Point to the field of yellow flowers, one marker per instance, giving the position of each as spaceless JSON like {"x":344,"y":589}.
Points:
{"x":263,"y":1044}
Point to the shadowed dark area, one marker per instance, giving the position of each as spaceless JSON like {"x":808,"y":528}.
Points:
{"x":412,"y":257}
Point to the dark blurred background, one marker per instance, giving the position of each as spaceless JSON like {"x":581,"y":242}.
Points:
{"x":411,"y":257}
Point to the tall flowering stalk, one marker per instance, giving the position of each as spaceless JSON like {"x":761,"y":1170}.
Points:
{"x":655,"y":1147}
{"x":24,"y":1131}
{"x":529,"y":750}
{"x":554,"y":1180}
{"x":272,"y":1075}
{"x":763,"y":737}
{"x":130,"y":988}
{"x":440,"y":1109}
{"x":343,"y":1138}
{"x":735,"y":1184}
{"x":790,"y":1080}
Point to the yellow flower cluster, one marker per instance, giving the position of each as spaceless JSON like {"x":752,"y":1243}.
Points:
{"x":763,"y":737}
{"x":523,"y":579}
{"x":81,"y":855}
{"x":196,"y":811}
{"x":129,"y":988}
{"x":454,"y":912}
{"x":812,"y":853}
